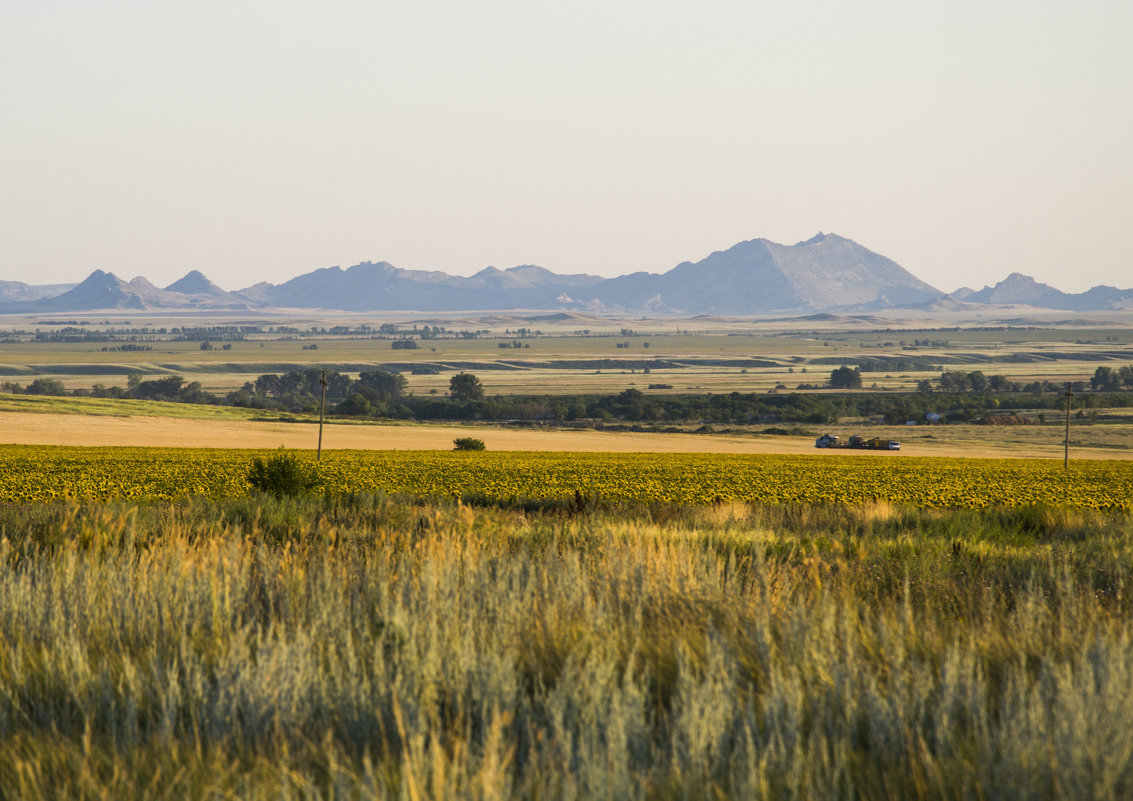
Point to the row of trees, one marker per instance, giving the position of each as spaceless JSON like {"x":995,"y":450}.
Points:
{"x":958,"y":381}
{"x":377,"y":393}
{"x":380,"y":394}
{"x":977,"y":381}
{"x":1105,"y":379}
{"x":373,"y":393}
{"x":171,"y":388}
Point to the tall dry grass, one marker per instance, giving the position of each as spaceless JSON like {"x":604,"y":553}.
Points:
{"x":375,"y":648}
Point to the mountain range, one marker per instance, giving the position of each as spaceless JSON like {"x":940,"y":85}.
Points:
{"x":17,"y":291}
{"x":825,"y":273}
{"x":1021,"y":289}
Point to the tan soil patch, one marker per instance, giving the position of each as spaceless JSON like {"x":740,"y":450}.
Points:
{"x":69,"y":429}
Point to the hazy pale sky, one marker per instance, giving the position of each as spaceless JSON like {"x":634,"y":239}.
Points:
{"x":259,"y":140}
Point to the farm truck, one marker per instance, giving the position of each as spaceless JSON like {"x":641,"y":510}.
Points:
{"x":857,"y":443}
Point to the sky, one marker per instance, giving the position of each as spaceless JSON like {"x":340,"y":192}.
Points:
{"x":256,"y":140}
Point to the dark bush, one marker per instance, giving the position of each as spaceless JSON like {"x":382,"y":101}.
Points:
{"x":468,"y":444}
{"x":283,"y":475}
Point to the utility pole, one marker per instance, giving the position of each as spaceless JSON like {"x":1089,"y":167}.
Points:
{"x":323,"y":408}
{"x":1066,"y":447}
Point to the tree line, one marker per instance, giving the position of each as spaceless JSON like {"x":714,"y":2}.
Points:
{"x":382,"y":394}
{"x":1105,"y":379}
{"x":955,"y":397}
{"x":171,"y":388}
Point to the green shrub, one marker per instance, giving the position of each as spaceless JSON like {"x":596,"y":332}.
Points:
{"x":468,"y":444}
{"x":283,"y":475}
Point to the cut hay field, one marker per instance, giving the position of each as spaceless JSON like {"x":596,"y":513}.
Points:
{"x":216,"y":427}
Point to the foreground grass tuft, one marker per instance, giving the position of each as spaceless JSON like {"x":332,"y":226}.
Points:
{"x":367,"y":646}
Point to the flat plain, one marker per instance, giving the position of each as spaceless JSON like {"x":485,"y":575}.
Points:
{"x":573,"y":353}
{"x":704,"y":612}
{"x":556,"y":354}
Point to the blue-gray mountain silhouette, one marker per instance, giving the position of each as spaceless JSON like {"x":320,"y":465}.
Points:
{"x":825,"y":273}
{"x":103,"y":290}
{"x":1022,"y":289}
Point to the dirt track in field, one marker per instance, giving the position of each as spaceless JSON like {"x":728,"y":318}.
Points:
{"x":67,"y":429}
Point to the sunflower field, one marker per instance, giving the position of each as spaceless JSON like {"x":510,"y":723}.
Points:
{"x":30,"y":474}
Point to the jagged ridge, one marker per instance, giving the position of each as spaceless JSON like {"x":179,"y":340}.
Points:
{"x":1019,"y":289}
{"x":822,"y":274}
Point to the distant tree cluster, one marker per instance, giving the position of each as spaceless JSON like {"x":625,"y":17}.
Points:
{"x":372,"y":393}
{"x":375,"y":393}
{"x":40,"y":386}
{"x":1106,"y":379}
{"x":975,"y":381}
{"x":883,"y":364}
{"x":168,"y":388}
{"x":846,"y":378}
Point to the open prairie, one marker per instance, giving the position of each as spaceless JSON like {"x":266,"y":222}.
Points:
{"x":664,"y":617}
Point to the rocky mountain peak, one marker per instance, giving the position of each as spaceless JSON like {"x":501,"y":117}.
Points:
{"x":194,"y":282}
{"x":817,"y":239}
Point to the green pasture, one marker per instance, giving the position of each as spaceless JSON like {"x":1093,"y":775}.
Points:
{"x":115,"y":407}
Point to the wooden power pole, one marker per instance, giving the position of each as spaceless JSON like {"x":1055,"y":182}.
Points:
{"x":322,"y":411}
{"x":1066,"y":446}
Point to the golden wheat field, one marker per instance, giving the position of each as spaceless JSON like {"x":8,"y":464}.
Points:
{"x":33,"y":474}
